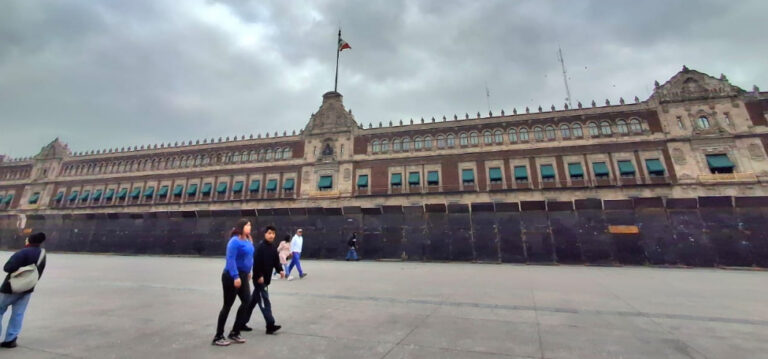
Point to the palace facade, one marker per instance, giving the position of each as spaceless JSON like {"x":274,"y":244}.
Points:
{"x":696,"y":135}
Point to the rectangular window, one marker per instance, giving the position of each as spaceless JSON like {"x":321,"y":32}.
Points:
{"x":149,"y":192}
{"x":272,"y":186}
{"x":720,"y":163}
{"x":468,"y":176}
{"x":192,"y":190}
{"x":206,"y":191}
{"x":575,"y":171}
{"x":178,"y":190}
{"x":73,"y":196}
{"x":414,"y":179}
{"x":86,"y":195}
{"x":362,"y":181}
{"x":34,"y":198}
{"x":237,"y":187}
{"x":397,"y":180}
{"x":221,"y":188}
{"x":325,"y":183}
{"x":626,"y":169}
{"x":547,"y":173}
{"x":654,"y":167}
{"x":521,"y":174}
{"x":59,"y":197}
{"x":123,"y":193}
{"x":288,"y":185}
{"x":163,"y":192}
{"x":97,"y":195}
{"x":110,"y":194}
{"x":601,"y":170}
{"x":254,"y":187}
{"x":433,"y":178}
{"x":136,"y":193}
{"x":494,"y":175}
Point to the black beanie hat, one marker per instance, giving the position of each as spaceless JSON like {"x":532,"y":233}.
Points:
{"x":37,"y":238}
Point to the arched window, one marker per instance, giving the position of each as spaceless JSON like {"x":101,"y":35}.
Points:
{"x":384,"y":145}
{"x":635,"y":126}
{"x":463,"y":139}
{"x":440,"y":141}
{"x":269,"y":154}
{"x":262,"y":154}
{"x":538,"y":133}
{"x":397,"y":145}
{"x":565,"y":131}
{"x":198,"y":160}
{"x":512,"y":135}
{"x":236,"y":158}
{"x":487,"y":137}
{"x":406,"y":144}
{"x":278,"y":153}
{"x":252,"y":156}
{"x":703,"y":122}
{"x":417,"y":143}
{"x":473,"y":138}
{"x":577,"y":132}
{"x":593,"y":131}
{"x":244,"y":157}
{"x":605,"y":128}
{"x":498,"y":136}
{"x":375,"y":147}
{"x":428,"y":142}
{"x":287,"y":153}
{"x":524,"y":134}
{"x":621,"y":127}
{"x":550,"y":132}
{"x":450,"y":140}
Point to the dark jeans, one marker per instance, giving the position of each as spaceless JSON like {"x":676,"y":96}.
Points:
{"x":260,"y":297}
{"x":230,"y":292}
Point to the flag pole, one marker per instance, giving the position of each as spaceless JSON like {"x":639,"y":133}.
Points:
{"x":336,"y":82}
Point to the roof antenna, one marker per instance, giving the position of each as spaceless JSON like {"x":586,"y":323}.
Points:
{"x":565,"y":76}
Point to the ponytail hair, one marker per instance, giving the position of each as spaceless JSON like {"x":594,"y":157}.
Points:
{"x":238,"y":229}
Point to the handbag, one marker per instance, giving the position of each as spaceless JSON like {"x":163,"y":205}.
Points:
{"x":26,"y":277}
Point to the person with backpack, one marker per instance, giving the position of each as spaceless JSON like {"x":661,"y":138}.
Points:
{"x":352,"y":244}
{"x":24,"y":269}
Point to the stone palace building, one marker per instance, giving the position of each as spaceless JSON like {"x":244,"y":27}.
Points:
{"x":696,"y":135}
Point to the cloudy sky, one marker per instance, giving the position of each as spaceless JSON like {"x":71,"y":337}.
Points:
{"x":102,"y":74}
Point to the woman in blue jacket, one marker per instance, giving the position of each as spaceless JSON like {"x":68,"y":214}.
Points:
{"x":235,"y":282}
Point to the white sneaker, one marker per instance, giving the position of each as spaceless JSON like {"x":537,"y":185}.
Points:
{"x":290,"y":278}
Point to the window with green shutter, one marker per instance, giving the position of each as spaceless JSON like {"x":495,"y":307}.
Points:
{"x":34,"y":198}
{"x":237,"y":187}
{"x":547,"y":173}
{"x":110,"y":194}
{"x":8,"y":199}
{"x":97,"y":195}
{"x":654,"y":167}
{"x":73,"y":196}
{"x":468,"y":176}
{"x":720,"y":163}
{"x":192,"y":190}
{"x":86,"y":195}
{"x":178,"y":190}
{"x":494,"y":175}
{"x":575,"y":171}
{"x":601,"y":170}
{"x":149,"y":192}
{"x":221,"y":188}
{"x":272,"y":185}
{"x":414,"y":179}
{"x":397,"y":180}
{"x":254,"y":187}
{"x":123,"y":193}
{"x":59,"y":197}
{"x":362,"y":181}
{"x":521,"y":174}
{"x":626,"y":169}
{"x":433,"y":178}
{"x":288,"y":185}
{"x":163,"y":192}
{"x":207,"y":187}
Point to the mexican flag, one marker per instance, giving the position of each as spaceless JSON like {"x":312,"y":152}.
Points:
{"x":343,"y":44}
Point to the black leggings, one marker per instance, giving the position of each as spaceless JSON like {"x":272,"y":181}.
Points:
{"x":230,"y":292}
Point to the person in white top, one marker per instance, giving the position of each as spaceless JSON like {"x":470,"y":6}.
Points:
{"x":296,"y":243}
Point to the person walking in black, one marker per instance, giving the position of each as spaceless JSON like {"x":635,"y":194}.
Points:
{"x":234,"y":282}
{"x":265,"y":260}
{"x":32,"y":254}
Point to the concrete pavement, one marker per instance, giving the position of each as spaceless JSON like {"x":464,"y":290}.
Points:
{"x":103,"y":306}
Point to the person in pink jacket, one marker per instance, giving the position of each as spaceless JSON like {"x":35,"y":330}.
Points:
{"x":284,"y":252}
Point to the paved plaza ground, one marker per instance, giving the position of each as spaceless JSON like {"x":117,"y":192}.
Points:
{"x":103,"y":306}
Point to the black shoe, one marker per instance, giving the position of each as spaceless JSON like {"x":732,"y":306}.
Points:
{"x":271,"y":329}
{"x":12,"y":343}
{"x":303,"y":275}
{"x":235,"y":338}
{"x":246,"y":328}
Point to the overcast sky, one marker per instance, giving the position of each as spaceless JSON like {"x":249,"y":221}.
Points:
{"x":101,"y":74}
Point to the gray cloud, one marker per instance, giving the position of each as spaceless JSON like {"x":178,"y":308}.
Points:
{"x":114,"y":74}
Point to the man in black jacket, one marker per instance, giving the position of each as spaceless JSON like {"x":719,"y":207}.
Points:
{"x":265,"y":259}
{"x":31,"y":254}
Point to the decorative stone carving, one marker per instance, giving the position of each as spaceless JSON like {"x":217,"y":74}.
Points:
{"x":678,"y":156}
{"x":756,"y":152}
{"x":331,"y":117}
